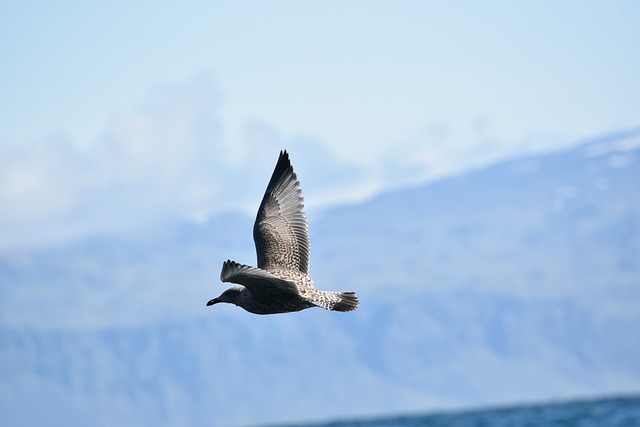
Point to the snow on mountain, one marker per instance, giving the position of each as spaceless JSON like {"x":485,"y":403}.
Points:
{"x":516,"y":282}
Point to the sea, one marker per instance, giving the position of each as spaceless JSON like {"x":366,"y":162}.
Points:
{"x":607,"y":412}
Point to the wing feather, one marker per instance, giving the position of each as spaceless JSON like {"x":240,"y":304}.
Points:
{"x":258,"y":281}
{"x":280,"y":232}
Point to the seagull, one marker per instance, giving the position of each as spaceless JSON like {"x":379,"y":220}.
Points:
{"x":281,"y":282}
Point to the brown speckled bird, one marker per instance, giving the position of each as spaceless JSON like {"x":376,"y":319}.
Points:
{"x":281,"y":282}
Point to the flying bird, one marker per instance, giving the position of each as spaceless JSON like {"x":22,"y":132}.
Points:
{"x":281,"y":282}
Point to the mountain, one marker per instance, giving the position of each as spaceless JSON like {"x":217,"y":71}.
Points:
{"x":517,"y":282}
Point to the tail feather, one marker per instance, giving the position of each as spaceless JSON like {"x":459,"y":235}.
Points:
{"x":338,"y":301}
{"x":348,"y":302}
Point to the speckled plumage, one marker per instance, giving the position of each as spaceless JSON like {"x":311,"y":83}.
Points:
{"x":280,"y":283}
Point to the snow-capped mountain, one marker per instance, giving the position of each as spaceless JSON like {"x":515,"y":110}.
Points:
{"x":516,"y":282}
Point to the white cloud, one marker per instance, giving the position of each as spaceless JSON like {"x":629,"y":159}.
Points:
{"x":175,"y":157}
{"x":162,"y":161}
{"x":35,"y":184}
{"x":172,"y":158}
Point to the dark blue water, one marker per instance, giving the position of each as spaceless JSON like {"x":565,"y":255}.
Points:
{"x":613,"y":412}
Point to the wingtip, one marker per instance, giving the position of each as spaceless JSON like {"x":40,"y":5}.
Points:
{"x":282,"y":169}
{"x":225,"y":267}
{"x":284,"y":158}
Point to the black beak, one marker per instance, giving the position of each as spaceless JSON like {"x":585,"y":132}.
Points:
{"x":213,"y":301}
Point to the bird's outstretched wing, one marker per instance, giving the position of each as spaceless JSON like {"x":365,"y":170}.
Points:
{"x":280,"y":231}
{"x":258,"y":281}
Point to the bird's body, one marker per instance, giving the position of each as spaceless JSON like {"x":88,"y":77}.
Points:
{"x":281,"y":282}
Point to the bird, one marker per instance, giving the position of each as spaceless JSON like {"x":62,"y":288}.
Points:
{"x":280,"y":283}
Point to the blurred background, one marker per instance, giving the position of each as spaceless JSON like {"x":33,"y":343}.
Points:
{"x":470,"y":169}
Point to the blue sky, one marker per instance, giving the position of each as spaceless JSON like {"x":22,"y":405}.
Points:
{"x":176,"y":109}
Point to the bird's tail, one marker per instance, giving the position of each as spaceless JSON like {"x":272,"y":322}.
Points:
{"x":337,"y":301}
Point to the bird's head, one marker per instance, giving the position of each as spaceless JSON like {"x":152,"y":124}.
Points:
{"x":232,"y":295}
